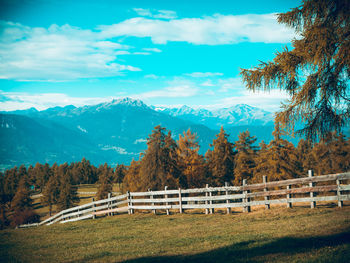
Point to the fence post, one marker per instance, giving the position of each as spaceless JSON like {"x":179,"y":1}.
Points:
{"x":93,"y":208}
{"x":206,"y":201}
{"x":246,"y":207}
{"x":267,"y":198}
{"x":109,"y":204}
{"x":151,"y":197}
{"x":311,"y":184}
{"x":166,"y":197}
{"x":130,"y":210}
{"x":211,"y":202}
{"x":227,"y":200}
{"x":289,"y":204}
{"x":180,"y":201}
{"x":340,"y":202}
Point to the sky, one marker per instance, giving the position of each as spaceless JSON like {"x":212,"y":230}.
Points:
{"x":165,"y":53}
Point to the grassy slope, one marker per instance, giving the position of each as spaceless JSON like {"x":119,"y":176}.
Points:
{"x":279,"y":235}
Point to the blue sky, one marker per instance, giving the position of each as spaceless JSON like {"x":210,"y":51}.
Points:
{"x":168,"y":53}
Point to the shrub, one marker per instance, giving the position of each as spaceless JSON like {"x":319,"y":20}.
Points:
{"x":26,"y":216}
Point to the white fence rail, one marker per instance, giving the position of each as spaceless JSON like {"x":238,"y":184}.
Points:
{"x":312,"y":189}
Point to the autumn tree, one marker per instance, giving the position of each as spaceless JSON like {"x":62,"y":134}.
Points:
{"x":119,"y":173}
{"x":305,"y":158}
{"x":280,"y":160}
{"x":191,"y":163}
{"x":67,"y":192}
{"x":315,"y":72}
{"x":159,"y":162}
{"x":22,"y":198}
{"x":245,"y":157}
{"x":261,"y":163}
{"x":105,"y":181}
{"x":50,"y":193}
{"x":132,"y":180}
{"x":221,"y":159}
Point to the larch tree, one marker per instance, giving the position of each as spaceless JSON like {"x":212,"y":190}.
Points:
{"x":22,"y":199}
{"x":132,"y":180}
{"x":280,"y":157}
{"x":67,"y":192}
{"x":158,"y":164}
{"x":50,"y":193}
{"x":191,"y":163}
{"x":315,"y":72}
{"x":105,"y":182}
{"x":220,"y":159}
{"x":261,"y":163}
{"x":245,"y":157}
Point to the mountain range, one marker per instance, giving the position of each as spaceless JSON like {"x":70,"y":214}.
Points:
{"x":116,"y":131}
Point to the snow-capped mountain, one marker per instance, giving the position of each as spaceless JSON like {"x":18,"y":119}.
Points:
{"x":237,"y":115}
{"x":114,"y":131}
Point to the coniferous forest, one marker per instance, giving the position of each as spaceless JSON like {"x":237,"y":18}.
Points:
{"x":167,"y":162}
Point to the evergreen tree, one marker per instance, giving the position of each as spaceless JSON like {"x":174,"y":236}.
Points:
{"x":190,"y":162}
{"x":281,"y":159}
{"x":67,"y":192}
{"x":22,"y":199}
{"x":132,"y":181}
{"x":245,"y":157}
{"x":305,"y":158}
{"x":51,"y":193}
{"x":315,"y":72}
{"x":158,"y":165}
{"x":261,"y":163}
{"x":119,"y":174}
{"x":105,"y":182}
{"x":221,"y":159}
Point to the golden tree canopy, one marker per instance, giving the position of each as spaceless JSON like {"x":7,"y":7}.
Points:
{"x":315,"y":73}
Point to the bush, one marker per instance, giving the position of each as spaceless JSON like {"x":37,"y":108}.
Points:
{"x":26,"y":216}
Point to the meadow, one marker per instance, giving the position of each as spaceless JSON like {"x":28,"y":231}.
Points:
{"x":299,"y":234}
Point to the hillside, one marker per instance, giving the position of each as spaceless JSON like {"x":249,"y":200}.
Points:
{"x":113,"y":132}
{"x":277,"y":235}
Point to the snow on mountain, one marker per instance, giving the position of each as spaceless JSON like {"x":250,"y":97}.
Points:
{"x":237,"y":115}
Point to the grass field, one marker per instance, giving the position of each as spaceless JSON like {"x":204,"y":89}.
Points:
{"x":278,"y":235}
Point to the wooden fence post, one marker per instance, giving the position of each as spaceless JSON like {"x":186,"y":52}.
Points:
{"x":211,"y":202}
{"x":109,"y":204}
{"x":267,"y":198}
{"x":246,"y":207}
{"x":166,"y":197}
{"x":311,"y":184}
{"x":151,"y":197}
{"x":93,"y":208}
{"x":130,"y":210}
{"x":180,"y":201}
{"x":340,"y":202}
{"x":227,"y":200}
{"x":289,"y":204}
{"x":206,"y":201}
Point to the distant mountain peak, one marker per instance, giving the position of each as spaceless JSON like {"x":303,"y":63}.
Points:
{"x":129,"y":101}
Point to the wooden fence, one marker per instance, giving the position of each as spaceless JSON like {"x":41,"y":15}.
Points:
{"x":311,"y":189}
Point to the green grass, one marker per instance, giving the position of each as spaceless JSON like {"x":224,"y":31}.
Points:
{"x":278,"y":235}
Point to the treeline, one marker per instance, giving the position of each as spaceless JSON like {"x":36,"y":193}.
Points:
{"x":171,"y":163}
{"x":57,"y":184}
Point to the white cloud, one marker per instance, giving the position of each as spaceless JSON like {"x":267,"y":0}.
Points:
{"x":57,"y":53}
{"x":151,"y":76}
{"x":169,"y":92}
{"x":157,"y":50}
{"x":203,"y":74}
{"x":230,"y":84}
{"x":42,"y":101}
{"x":160,"y":14}
{"x":210,"y":30}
